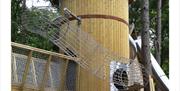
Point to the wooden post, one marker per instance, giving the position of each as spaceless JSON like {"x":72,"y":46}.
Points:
{"x":45,"y":78}
{"x":15,"y":68}
{"x":26,"y":69}
{"x":63,"y":76}
{"x":151,"y":83}
{"x":34,"y":74}
{"x":50,"y":75}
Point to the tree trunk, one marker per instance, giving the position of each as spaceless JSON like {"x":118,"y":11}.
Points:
{"x":158,"y":37}
{"x":145,"y":39}
{"x":158,"y":34}
{"x":24,"y":5}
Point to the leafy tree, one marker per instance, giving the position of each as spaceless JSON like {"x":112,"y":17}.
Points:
{"x":158,"y":33}
{"x":145,"y":38}
{"x":158,"y":36}
{"x":135,"y":13}
{"x":18,"y":33}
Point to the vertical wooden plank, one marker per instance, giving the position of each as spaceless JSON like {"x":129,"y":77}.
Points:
{"x":151,"y":83}
{"x":63,"y":76}
{"x":26,"y":70}
{"x":45,"y":78}
{"x":15,"y":68}
{"x":153,"y":86}
{"x":34,"y":74}
{"x":50,"y":75}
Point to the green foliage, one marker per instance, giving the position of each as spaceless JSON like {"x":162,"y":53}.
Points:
{"x":18,"y":33}
{"x":135,"y":13}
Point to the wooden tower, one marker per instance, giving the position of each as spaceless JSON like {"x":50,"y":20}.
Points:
{"x":107,"y":22}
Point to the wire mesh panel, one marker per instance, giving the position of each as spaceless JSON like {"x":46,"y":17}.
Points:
{"x":35,"y":73}
{"x":18,"y":64}
{"x":14,"y":77}
{"x":56,"y":67}
{"x":13,"y":71}
{"x":135,"y":73}
{"x":30,"y":77}
{"x":39,"y":70}
{"x":20,"y":67}
{"x":54,"y":74}
{"x":118,"y":76}
{"x":127,"y":77}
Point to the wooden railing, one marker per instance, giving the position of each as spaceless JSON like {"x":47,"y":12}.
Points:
{"x":44,"y":51}
{"x":29,"y":61}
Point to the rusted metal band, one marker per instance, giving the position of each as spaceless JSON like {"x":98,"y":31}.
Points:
{"x":101,"y":16}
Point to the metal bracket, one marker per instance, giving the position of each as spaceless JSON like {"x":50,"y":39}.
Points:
{"x":68,"y":13}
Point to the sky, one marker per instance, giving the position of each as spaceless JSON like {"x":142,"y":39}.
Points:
{"x":30,"y":3}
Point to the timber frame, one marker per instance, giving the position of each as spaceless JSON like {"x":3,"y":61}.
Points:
{"x":23,"y":87}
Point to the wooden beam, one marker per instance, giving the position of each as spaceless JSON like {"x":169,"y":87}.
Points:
{"x":45,"y":78}
{"x":44,"y":51}
{"x":63,"y":76}
{"x":29,"y":59}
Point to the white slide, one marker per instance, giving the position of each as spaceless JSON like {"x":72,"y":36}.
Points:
{"x":159,"y":75}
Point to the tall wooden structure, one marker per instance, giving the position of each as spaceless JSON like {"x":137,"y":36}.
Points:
{"x":107,"y":22}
